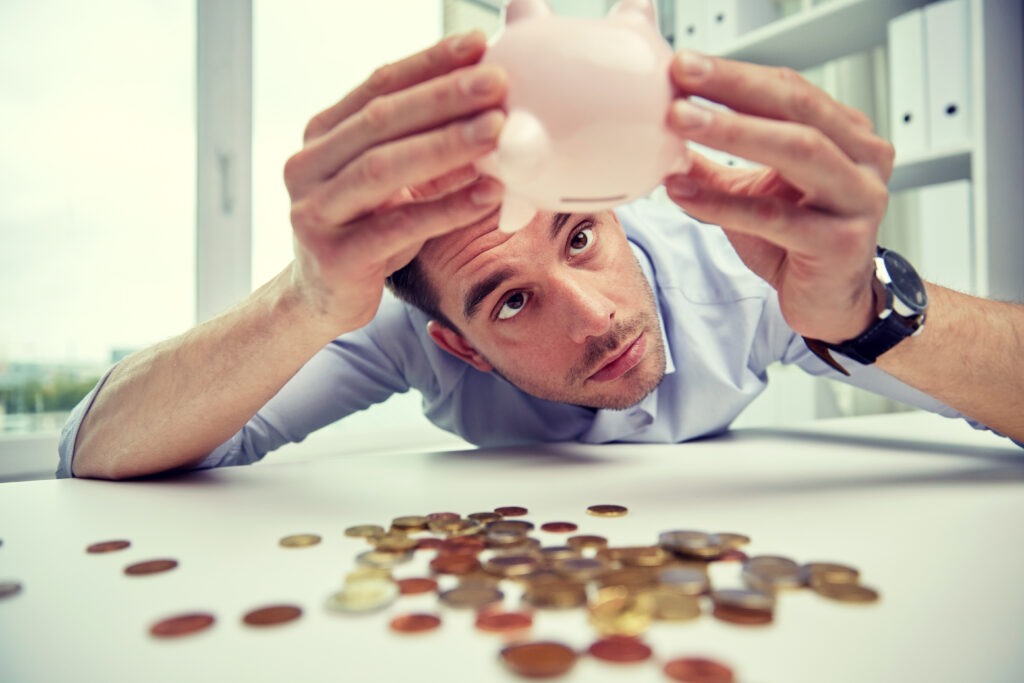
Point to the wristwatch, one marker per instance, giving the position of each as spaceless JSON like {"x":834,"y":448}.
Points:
{"x":905,"y":299}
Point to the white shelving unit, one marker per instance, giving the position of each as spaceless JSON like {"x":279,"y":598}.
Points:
{"x":994,"y":162}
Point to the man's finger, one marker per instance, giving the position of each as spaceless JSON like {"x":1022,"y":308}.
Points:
{"x":389,"y":117}
{"x":447,"y":55}
{"x":805,"y":157}
{"x":783,"y":94}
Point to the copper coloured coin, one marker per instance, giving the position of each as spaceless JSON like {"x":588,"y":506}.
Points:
{"x":620,"y":649}
{"x":415,"y":623}
{"x":443,"y":516}
{"x":511,"y":511}
{"x":461,"y":545}
{"x":539,"y":660}
{"x":150,"y":567}
{"x":503,"y":622}
{"x":732,"y":555}
{"x":107,"y":546}
{"x":698,"y":670}
{"x":559,"y":527}
{"x":428,"y":543}
{"x":416,"y":586}
{"x":182,"y":625}
{"x":273,"y":615}
{"x":607,"y":510}
{"x":454,"y":564}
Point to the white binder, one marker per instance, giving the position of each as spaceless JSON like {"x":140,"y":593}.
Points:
{"x":691,"y":29}
{"x":908,"y":85}
{"x":945,"y":235}
{"x":947,"y":29}
{"x":729,"y":19}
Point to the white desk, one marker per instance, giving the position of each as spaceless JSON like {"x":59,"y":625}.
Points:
{"x":930,"y":511}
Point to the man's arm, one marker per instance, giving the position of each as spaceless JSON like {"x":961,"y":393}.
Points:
{"x":807,"y":222}
{"x":382,"y":171}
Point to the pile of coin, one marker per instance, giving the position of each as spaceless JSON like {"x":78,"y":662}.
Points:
{"x":489,"y":558}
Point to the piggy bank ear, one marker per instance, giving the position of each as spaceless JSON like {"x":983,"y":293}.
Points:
{"x":635,"y":10}
{"x":517,"y":10}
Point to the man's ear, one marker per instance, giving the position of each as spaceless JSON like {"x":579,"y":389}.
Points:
{"x":454,"y":343}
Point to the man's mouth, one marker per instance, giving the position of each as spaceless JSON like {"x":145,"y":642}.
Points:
{"x":622,"y":362}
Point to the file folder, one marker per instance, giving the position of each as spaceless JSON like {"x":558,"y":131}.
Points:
{"x":946,"y":235}
{"x":908,"y":85}
{"x":691,"y":30}
{"x":947,"y":39}
{"x":729,"y":19}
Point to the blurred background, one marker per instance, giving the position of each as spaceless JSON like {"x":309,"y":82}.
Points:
{"x":142,"y":145}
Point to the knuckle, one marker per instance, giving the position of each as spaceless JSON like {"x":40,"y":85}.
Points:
{"x":806,"y":145}
{"x":373,"y":167}
{"x":381,"y":79}
{"x":396,"y":220}
{"x":307,"y":218}
{"x":377,"y":114}
{"x":768,"y":212}
{"x":789,"y":76}
{"x":314,"y":128}
{"x":885,"y":152}
{"x":804,"y":103}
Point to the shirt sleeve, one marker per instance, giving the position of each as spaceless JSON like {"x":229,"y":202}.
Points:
{"x":350,"y":374}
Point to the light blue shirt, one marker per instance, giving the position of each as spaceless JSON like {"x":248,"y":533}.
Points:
{"x":722,"y":326}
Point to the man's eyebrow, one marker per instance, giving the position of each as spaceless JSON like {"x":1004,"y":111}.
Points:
{"x":481,"y":290}
{"x":558,"y":222}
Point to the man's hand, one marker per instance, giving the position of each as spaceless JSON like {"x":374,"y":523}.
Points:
{"x":387,"y":168}
{"x":807,"y":222}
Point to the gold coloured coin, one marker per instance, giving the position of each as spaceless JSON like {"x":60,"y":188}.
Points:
{"x":615,"y":611}
{"x":555,"y":593}
{"x":465,"y":527}
{"x":846,"y":592}
{"x":829,"y":572}
{"x":410,"y":523}
{"x":475,"y":596}
{"x":607,"y":510}
{"x":364,"y":531}
{"x":299,"y":541}
{"x":365,"y":595}
{"x":382,"y":558}
{"x":580,"y":543}
{"x":512,"y":565}
{"x":731,"y":540}
{"x":672,"y":604}
{"x":394,"y":542}
{"x":689,"y":581}
{"x":365,"y":572}
{"x":485,"y":517}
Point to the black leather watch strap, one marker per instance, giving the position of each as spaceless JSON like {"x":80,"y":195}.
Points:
{"x":879,"y":338}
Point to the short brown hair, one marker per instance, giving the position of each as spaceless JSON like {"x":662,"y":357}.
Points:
{"x":411,"y":285}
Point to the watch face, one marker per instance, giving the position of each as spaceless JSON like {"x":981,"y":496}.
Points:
{"x":906,"y":283}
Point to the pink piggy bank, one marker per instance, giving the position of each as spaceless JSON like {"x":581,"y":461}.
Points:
{"x":586,"y":110}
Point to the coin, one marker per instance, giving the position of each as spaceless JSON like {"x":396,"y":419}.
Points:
{"x":415,"y":623}
{"x":554,"y":553}
{"x":107,"y":546}
{"x":689,"y":581}
{"x":732,"y":540}
{"x":620,"y":649}
{"x":454,"y":564}
{"x":555,"y":593}
{"x":485,"y":517}
{"x":439,"y":516}
{"x":636,"y":556}
{"x":744,"y":599}
{"x":150,"y":567}
{"x":632,"y":579}
{"x":559,"y":527}
{"x":365,"y":595}
{"x":415,"y":586}
{"x":461,"y":545}
{"x":394,"y":542}
{"x":829,"y":572}
{"x":273,"y":615}
{"x":607,"y":510}
{"x":698,"y":670}
{"x":520,"y":525}
{"x":181,"y":625}
{"x":580,"y":543}
{"x":672,"y":604}
{"x":299,"y":540}
{"x":503,"y":622}
{"x":741,"y":616}
{"x":539,"y":660}
{"x":771,"y":573}
{"x":846,"y":592}
{"x":580,"y":568}
{"x":511,"y":511}
{"x":364,"y":531}
{"x":364,"y":572}
{"x":9,"y":588}
{"x":465,"y":527}
{"x":732,"y":555}
{"x":512,"y":565}
{"x":410,"y":523}
{"x":475,"y":596}
{"x":692,"y":543}
{"x":382,"y":558}
{"x":428,"y":543}
{"x":616,"y":611}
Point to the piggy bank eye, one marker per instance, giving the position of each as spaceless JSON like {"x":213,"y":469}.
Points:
{"x":581,"y":241}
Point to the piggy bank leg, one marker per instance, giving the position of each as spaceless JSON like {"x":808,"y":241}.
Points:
{"x":516,"y":213}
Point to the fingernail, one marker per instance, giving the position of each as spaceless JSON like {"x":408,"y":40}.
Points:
{"x":480,"y":82}
{"x":694,"y":65}
{"x":486,"y":192}
{"x":484,"y":128}
{"x":690,"y":116}
{"x":682,"y":186}
{"x":465,"y":44}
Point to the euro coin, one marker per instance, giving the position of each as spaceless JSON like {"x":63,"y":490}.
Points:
{"x":698,"y":670}
{"x":503,"y":622}
{"x":415,"y":586}
{"x":272,"y":615}
{"x":580,"y":543}
{"x":620,"y":649}
{"x":366,"y":595}
{"x":557,"y":593}
{"x":454,"y":564}
{"x":485,"y":517}
{"x":732,"y":540}
{"x":512,"y":565}
{"x":382,"y":559}
{"x":846,"y":592}
{"x":672,"y":604}
{"x":473,"y":596}
{"x":616,"y":611}
{"x":511,"y":511}
{"x":414,"y":623}
{"x":607,"y":510}
{"x":364,"y":531}
{"x":150,"y":567}
{"x":299,"y":541}
{"x":181,"y":625}
{"x":771,"y":573}
{"x":828,"y":572}
{"x":539,"y":660}
{"x":410,"y":523}
{"x":107,"y":546}
{"x":559,"y":527}
{"x":689,"y":581}
{"x":580,"y":568}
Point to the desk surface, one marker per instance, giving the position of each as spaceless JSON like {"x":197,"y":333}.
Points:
{"x":929,"y":510}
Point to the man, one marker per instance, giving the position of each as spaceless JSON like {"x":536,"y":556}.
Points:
{"x":565,"y":329}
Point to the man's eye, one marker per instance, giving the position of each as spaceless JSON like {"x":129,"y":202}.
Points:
{"x":513,"y":305}
{"x":581,"y":241}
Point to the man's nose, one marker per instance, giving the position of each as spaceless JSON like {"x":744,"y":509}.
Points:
{"x":588,"y":311}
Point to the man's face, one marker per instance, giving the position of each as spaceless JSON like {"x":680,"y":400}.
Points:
{"x":560,"y":308}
